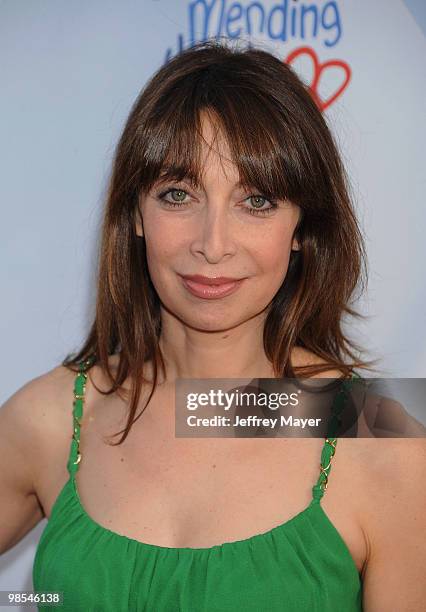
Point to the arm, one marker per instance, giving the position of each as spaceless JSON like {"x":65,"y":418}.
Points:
{"x":34,"y":431}
{"x":394,"y":576}
{"x":19,"y":508}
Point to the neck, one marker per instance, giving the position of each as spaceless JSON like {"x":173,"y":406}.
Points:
{"x":233,"y":353}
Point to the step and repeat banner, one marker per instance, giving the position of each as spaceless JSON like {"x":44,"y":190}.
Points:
{"x":70,"y":72}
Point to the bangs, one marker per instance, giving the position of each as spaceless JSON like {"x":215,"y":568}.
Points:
{"x":255,"y":126}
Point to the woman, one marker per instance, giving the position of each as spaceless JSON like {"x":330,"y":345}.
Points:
{"x":226,"y":169}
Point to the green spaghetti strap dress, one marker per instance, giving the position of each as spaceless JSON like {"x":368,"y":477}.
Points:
{"x":300,"y":565}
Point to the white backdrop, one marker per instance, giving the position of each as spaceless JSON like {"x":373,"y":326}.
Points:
{"x":69,"y":74}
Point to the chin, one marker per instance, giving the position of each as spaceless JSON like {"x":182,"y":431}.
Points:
{"x":214,"y":322}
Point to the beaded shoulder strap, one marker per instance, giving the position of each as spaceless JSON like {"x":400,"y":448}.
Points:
{"x":79,"y":391}
{"x":329,"y":448}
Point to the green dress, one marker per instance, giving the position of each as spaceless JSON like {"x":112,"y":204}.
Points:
{"x":300,"y":565}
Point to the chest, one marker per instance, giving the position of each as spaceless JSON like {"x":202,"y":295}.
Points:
{"x":181,"y":492}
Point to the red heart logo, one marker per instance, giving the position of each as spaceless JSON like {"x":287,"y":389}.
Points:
{"x":319,"y":69}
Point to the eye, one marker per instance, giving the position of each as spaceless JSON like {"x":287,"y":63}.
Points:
{"x":259,"y":201}
{"x":174,"y":190}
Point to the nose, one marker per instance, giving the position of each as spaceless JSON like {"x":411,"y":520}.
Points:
{"x":215,"y":236}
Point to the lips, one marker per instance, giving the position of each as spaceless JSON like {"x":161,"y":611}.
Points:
{"x":209,"y":280}
{"x":210,"y":288}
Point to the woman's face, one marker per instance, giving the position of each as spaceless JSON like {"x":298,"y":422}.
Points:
{"x":211,"y":232}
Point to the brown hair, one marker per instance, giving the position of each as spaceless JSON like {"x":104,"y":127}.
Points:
{"x":281,"y":144}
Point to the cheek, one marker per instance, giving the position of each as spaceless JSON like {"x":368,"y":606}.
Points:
{"x":162,"y":232}
{"x":160,"y":237}
{"x":272,"y":275}
{"x":163,"y":249}
{"x":272,"y":254}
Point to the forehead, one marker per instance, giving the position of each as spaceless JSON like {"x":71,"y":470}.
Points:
{"x":206,"y":147}
{"x":215,"y":153}
{"x":214,"y":158}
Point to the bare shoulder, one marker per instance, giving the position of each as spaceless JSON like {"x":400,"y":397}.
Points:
{"x":40,"y":398}
{"x":388,"y":486}
{"x":396,"y":470}
{"x":36,"y":417}
{"x":394,"y":576}
{"x":387,"y":467}
{"x":385,"y":417}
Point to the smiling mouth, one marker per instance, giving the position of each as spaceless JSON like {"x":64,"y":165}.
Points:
{"x":211,"y":291}
{"x":209,"y":280}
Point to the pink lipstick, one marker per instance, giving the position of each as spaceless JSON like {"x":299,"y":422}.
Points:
{"x":211,"y":287}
